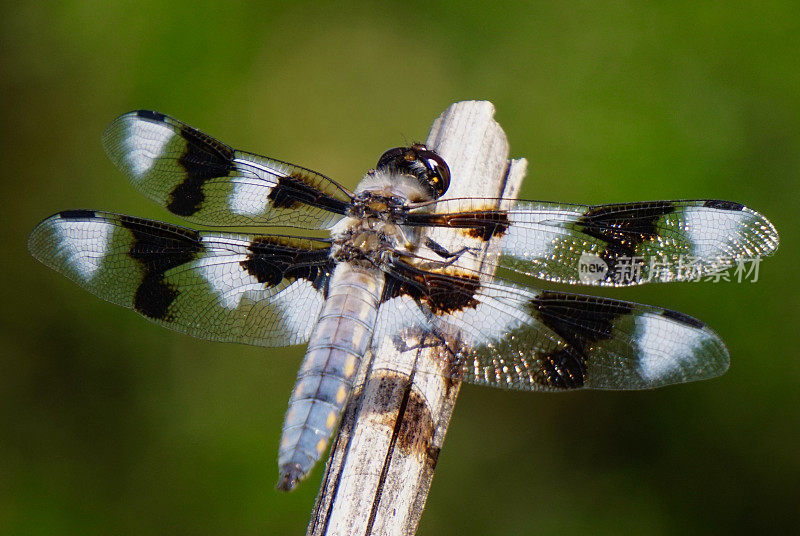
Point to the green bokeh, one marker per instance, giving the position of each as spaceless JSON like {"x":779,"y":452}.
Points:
{"x":113,"y":425}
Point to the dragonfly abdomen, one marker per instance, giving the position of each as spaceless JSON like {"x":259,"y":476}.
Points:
{"x":339,"y":341}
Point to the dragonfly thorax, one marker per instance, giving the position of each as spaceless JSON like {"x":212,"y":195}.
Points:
{"x":382,"y":206}
{"x":370,"y":241}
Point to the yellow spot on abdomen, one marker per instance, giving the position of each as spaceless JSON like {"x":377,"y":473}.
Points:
{"x":349,"y":366}
{"x":341,"y":394}
{"x":331,"y":420}
{"x":321,"y":444}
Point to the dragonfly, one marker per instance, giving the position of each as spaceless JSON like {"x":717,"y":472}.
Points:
{"x":377,"y":277}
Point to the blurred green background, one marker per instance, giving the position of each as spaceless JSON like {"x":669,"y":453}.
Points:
{"x":113,"y":425}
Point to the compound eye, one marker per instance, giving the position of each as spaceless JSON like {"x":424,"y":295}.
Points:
{"x":438,"y":172}
{"x":390,"y":156}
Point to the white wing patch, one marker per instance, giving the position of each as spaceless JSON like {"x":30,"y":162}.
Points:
{"x":397,"y":315}
{"x":709,"y":228}
{"x":300,"y":305}
{"x":229,"y":285}
{"x":666,"y":346}
{"x":522,"y":239}
{"x":257,"y":178}
{"x":83,"y":244}
{"x":249,"y":198}
{"x":484,"y":323}
{"x":144,"y":142}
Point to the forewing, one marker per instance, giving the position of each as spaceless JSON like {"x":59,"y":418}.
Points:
{"x":628,"y":244}
{"x":201,"y":179}
{"x":262,"y":290}
{"x":502,"y":335}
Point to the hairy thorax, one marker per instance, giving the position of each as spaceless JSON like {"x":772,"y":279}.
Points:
{"x":369,"y":234}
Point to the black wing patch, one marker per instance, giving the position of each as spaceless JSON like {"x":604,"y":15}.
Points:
{"x":439,"y":293}
{"x":157,"y":253}
{"x":623,"y":228}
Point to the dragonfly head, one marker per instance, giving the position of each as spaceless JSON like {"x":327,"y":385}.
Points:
{"x":429,"y":168}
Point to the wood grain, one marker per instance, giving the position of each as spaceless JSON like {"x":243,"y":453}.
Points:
{"x":383,"y":459}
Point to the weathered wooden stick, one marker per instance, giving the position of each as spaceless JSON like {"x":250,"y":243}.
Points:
{"x":382,"y":461}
